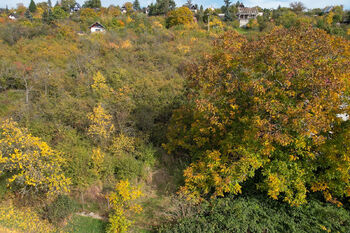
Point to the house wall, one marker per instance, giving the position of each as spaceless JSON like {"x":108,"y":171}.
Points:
{"x":97,"y":29}
{"x":243,"y":22}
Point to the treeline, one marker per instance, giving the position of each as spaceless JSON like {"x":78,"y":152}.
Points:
{"x":333,"y":19}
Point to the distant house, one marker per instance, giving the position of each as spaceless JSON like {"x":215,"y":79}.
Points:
{"x":244,"y":14}
{"x":75,"y":8}
{"x":194,"y":8}
{"x":123,"y":10}
{"x":97,"y":27}
{"x":221,"y":15}
{"x":12,"y":17}
{"x":145,"y":10}
{"x":327,"y":9}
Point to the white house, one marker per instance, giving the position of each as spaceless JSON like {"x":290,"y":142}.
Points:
{"x":12,"y":17}
{"x":244,"y":14}
{"x":75,"y":8}
{"x":97,"y":27}
{"x":123,"y":10}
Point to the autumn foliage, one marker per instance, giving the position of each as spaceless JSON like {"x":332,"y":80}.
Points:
{"x":268,"y":109}
{"x":123,"y":203}
{"x":32,"y":165}
{"x":179,"y":16}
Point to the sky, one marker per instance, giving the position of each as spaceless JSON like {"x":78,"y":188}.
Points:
{"x":206,"y":3}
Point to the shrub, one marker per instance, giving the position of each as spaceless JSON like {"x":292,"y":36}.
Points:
{"x":259,"y":214}
{"x":127,"y":167}
{"x":59,"y":209}
{"x":24,"y":219}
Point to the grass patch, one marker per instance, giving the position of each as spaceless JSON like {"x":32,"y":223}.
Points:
{"x":81,"y":224}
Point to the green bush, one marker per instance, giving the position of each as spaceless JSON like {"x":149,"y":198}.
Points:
{"x":259,"y":214}
{"x":146,"y":154}
{"x":59,"y":209}
{"x":127,"y":167}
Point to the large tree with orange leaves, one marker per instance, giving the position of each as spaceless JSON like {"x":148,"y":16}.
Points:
{"x":268,"y":108}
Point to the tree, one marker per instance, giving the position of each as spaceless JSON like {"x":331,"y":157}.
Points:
{"x":297,"y":7}
{"x":129,"y":7}
{"x":32,"y":165}
{"x":181,"y":15}
{"x":28,"y":15}
{"x":47,"y":16}
{"x":59,"y":13}
{"x":101,"y":126}
{"x":92,"y":4}
{"x":136,"y":5}
{"x":272,"y":117}
{"x":200,"y":14}
{"x":123,"y":204}
{"x":67,"y":5}
{"x":49,"y":3}
{"x":161,"y":7}
{"x":228,"y":16}
{"x":32,"y":6}
{"x":189,"y":4}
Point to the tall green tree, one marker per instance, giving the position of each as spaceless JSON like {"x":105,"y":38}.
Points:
{"x":28,"y":15}
{"x":136,"y":5}
{"x":32,"y":6}
{"x":67,"y":5}
{"x":49,"y":3}
{"x":161,"y":7}
{"x":228,"y":15}
{"x":92,"y":4}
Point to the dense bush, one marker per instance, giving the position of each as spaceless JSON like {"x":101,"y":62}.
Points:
{"x":258,"y":214}
{"x":59,"y":209}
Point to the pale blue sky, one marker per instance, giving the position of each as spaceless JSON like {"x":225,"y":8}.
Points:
{"x":206,"y":3}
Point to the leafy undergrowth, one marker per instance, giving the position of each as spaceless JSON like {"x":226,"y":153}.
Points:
{"x":23,"y":220}
{"x":257,"y":214}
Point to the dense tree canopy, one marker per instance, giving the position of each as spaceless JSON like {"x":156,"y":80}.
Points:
{"x":180,"y":16}
{"x":268,"y":108}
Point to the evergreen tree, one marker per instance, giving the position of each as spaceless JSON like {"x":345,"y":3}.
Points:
{"x":228,"y":15}
{"x":32,"y":6}
{"x":200,"y":14}
{"x":47,"y":16}
{"x":7,"y":9}
{"x":49,"y":3}
{"x":28,"y":15}
{"x":136,"y":5}
{"x":188,"y":3}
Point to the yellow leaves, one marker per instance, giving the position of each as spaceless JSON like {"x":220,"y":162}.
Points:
{"x":183,"y":48}
{"x":101,"y":126}
{"x":126,"y":44}
{"x":32,"y":162}
{"x":275,"y":186}
{"x":25,"y":220}
{"x":122,"y":144}
{"x":179,"y":16}
{"x":234,"y":107}
{"x":100,"y":86}
{"x":123,"y":204}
